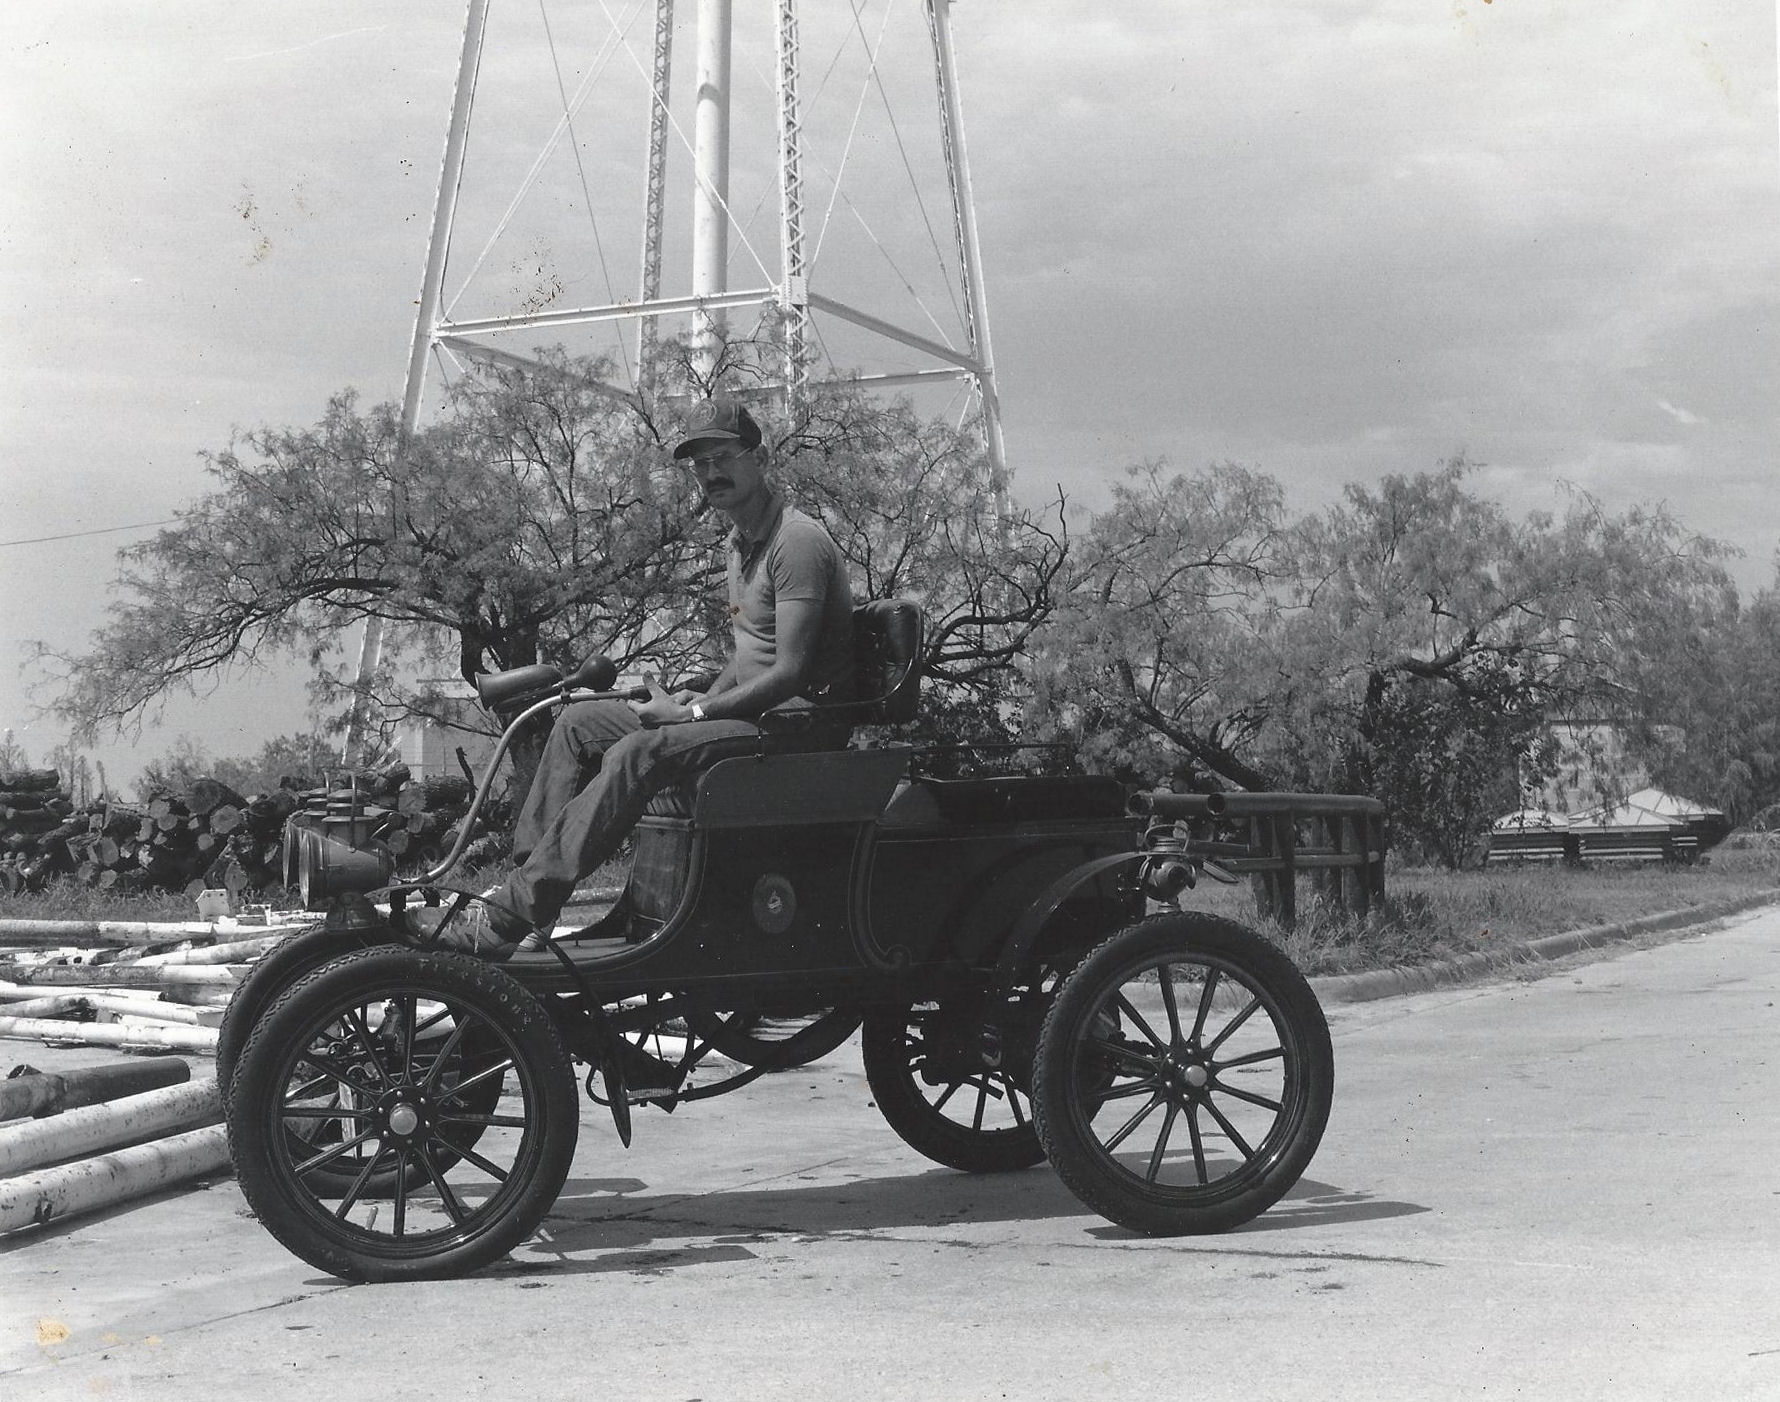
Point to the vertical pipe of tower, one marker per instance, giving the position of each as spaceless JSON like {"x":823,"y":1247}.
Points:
{"x":426,"y":319}
{"x":794,"y":280}
{"x":655,"y":189}
{"x":970,"y":254}
{"x":710,"y":159}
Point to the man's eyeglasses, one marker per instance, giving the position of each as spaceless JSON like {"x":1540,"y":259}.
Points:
{"x":710,"y":460}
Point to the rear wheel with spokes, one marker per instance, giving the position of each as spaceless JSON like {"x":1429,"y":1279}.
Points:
{"x":936,"y":1088}
{"x":1184,"y":1076}
{"x":383,"y":1062}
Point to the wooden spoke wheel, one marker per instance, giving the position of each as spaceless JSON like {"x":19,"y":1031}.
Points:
{"x":1184,"y":1076}
{"x":382,"y":1062}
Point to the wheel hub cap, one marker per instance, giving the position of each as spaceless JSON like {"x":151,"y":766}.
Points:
{"x":404,"y":1119}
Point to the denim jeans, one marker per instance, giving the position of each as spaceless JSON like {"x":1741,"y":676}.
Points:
{"x":600,"y":769}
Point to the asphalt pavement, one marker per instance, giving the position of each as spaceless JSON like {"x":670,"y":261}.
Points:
{"x":1566,"y":1187}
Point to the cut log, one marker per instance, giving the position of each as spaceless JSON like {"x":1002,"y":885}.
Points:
{"x":266,"y":812}
{"x":121,"y":820}
{"x":439,"y":791}
{"x":28,"y":819}
{"x":31,"y":780}
{"x":207,"y":795}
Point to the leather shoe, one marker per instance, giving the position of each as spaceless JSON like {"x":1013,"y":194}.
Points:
{"x":478,"y":929}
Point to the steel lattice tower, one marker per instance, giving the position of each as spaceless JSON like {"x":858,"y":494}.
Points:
{"x":795,"y":292}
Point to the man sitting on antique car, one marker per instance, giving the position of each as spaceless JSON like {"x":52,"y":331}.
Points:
{"x":791,"y":608}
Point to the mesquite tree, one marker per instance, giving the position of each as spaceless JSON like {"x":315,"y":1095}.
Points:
{"x":534,"y":520}
{"x":1433,"y":636}
{"x":540,"y":518}
{"x":1160,"y":661}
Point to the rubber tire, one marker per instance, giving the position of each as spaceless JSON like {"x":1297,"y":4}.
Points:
{"x":269,"y":976}
{"x":805,"y":1045}
{"x":1061,"y":1114}
{"x":893,"y":1081}
{"x":275,"y":971}
{"x":257,"y":1133}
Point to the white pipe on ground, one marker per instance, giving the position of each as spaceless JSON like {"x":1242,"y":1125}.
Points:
{"x":110,"y":977}
{"x":90,"y":932}
{"x":110,"y":1034}
{"x":92,"y":1128}
{"x":134,"y":1007}
{"x":20,"y":992}
{"x":53,"y":1193}
{"x":62,"y":1005}
{"x":200,"y":997}
{"x":236,"y":952}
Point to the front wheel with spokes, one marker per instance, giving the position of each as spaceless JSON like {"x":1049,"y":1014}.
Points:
{"x":1184,"y":1076}
{"x":375,"y":1046}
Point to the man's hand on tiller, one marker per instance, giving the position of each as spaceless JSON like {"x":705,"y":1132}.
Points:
{"x":660,"y":708}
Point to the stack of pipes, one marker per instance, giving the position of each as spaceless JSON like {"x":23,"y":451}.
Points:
{"x":87,"y":1139}
{"x":134,"y":998}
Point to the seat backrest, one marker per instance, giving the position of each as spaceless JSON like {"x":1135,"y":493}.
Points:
{"x":888,"y":635}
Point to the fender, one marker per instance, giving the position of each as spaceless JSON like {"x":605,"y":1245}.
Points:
{"x":1037,"y":915}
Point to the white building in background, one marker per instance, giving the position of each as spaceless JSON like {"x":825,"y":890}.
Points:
{"x":1594,"y":767}
{"x":430,"y":749}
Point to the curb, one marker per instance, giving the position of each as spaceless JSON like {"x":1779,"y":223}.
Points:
{"x":1466,"y":968}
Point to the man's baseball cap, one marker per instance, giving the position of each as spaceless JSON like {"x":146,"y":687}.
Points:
{"x":711,"y":419}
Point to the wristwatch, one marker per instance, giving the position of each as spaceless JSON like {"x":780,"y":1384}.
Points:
{"x":698,"y":711}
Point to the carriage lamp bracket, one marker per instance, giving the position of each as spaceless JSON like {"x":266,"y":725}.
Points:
{"x":352,"y":911}
{"x":1169,"y":865}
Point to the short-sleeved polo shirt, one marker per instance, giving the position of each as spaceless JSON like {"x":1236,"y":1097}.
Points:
{"x":797,"y":560}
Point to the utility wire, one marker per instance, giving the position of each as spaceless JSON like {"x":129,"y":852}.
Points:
{"x":76,"y":535}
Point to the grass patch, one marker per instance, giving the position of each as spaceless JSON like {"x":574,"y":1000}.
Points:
{"x":66,"y":899}
{"x":1430,"y":914}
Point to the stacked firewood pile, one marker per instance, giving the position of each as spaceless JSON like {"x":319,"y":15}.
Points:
{"x":36,"y":814}
{"x":211,"y":837}
{"x":419,"y":820}
{"x":208,"y":837}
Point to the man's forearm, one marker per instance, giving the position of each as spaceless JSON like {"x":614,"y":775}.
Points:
{"x":747,"y":700}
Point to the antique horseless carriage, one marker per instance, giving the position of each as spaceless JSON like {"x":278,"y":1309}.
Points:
{"x":398,"y":1111}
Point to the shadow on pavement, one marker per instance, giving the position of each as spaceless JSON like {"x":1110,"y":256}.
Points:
{"x":621,"y":1221}
{"x":1313,"y":1204}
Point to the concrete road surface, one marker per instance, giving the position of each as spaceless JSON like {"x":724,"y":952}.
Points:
{"x":1567,"y":1188}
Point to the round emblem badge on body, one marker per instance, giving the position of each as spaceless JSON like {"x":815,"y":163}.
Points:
{"x":775,"y":904}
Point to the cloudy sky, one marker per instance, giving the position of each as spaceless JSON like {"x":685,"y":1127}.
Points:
{"x":1327,"y":241}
